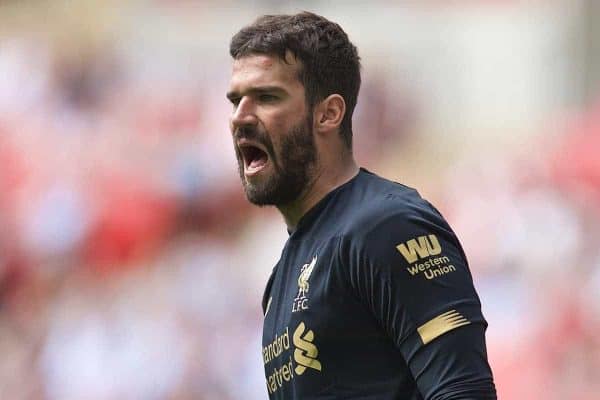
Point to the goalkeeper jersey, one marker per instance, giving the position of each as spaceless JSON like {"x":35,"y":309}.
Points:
{"x":372,"y":298}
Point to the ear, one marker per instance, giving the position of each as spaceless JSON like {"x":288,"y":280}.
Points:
{"x":329,"y":114}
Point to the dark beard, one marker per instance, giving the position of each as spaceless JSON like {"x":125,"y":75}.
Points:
{"x":292,"y":170}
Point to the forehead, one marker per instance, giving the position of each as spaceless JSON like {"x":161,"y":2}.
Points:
{"x":264,"y":69}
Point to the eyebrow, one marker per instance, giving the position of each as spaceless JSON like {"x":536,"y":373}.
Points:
{"x":256,"y":90}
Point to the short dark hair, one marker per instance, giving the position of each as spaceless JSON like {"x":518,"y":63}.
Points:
{"x":330,"y":62}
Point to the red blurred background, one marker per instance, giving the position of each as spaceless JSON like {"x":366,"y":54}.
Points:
{"x":131,"y":266}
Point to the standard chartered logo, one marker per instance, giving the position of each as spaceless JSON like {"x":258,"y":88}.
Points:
{"x":306,"y":352}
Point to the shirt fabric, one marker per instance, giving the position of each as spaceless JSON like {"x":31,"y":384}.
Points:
{"x":372,"y":298}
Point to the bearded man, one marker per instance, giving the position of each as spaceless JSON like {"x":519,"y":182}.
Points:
{"x":372,"y":297}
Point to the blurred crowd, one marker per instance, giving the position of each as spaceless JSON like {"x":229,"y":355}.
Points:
{"x":131,"y":266}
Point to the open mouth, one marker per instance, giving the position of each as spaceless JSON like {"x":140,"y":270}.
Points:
{"x":255,"y":158}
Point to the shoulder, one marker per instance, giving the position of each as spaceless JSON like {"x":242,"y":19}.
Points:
{"x":391,"y":224}
{"x":382,"y":207}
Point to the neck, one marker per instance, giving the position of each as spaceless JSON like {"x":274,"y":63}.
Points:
{"x":323,"y":182}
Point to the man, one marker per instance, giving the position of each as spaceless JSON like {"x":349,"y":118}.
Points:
{"x":372,"y":297}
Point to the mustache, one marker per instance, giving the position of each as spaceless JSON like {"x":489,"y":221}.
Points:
{"x":249,"y":133}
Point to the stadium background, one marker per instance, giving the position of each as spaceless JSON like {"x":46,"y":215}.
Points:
{"x":131,"y":267}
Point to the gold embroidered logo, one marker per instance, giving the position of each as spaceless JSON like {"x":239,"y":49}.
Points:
{"x":419,"y":248}
{"x":416,"y":250}
{"x":306,"y":352}
{"x":301,"y":301}
{"x":287,"y":368}
{"x":441,"y":324}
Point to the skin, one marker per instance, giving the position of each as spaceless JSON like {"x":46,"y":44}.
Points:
{"x":268,"y":97}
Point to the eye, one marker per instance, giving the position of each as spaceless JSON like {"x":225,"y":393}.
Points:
{"x":267,"y":98}
{"x":234,"y":101}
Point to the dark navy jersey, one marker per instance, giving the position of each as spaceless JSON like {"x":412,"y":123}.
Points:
{"x":373,"y":299}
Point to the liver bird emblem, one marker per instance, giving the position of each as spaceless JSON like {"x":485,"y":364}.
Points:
{"x":306,"y":270}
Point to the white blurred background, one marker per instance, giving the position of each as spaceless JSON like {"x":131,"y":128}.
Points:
{"x":131,"y":266}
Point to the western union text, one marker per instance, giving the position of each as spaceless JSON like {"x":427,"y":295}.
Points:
{"x":432,"y":268}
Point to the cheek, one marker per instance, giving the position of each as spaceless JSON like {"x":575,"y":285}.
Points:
{"x":281,"y":122}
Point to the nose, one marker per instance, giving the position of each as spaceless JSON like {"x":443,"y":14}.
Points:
{"x":244,"y":114}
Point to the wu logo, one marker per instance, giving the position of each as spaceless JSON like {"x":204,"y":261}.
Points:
{"x":301,"y":301}
{"x":421,"y":247}
{"x":306,"y":352}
